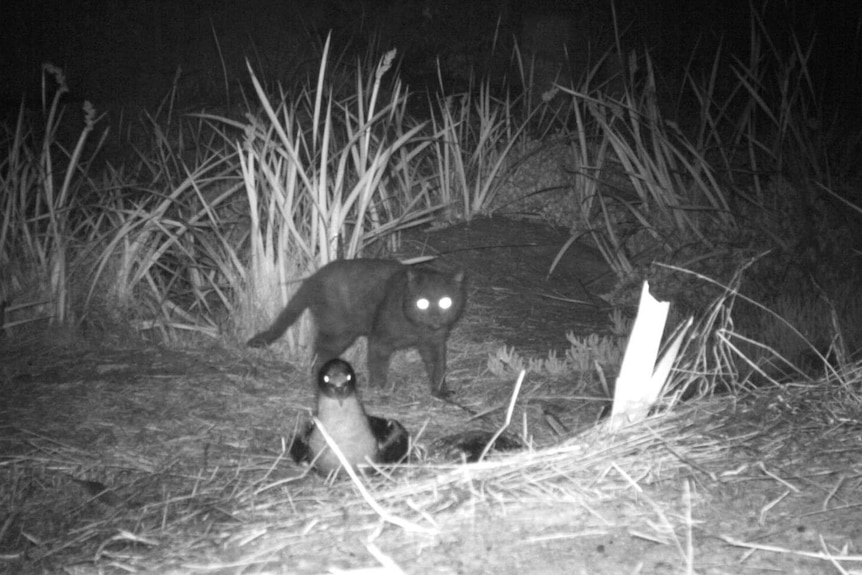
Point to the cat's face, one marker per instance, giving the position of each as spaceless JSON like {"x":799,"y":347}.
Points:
{"x":434,"y":299}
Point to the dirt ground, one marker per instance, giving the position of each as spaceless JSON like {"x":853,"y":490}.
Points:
{"x":149,"y":422}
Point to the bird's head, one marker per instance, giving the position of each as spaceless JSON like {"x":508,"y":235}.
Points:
{"x":336,"y":380}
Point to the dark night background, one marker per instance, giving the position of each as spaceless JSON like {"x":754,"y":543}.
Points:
{"x":128,"y":52}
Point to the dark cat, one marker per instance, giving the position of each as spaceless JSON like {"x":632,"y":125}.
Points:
{"x":394,"y":305}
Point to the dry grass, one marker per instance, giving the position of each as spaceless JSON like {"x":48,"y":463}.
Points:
{"x":260,"y":517}
{"x":171,"y":480}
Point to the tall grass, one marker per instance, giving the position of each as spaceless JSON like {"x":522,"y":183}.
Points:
{"x":165,"y":258}
{"x":706,"y":192}
{"x":327,"y":176}
{"x":41,"y":182}
{"x":166,"y":243}
{"x":475,"y":132}
{"x":671,"y":195}
{"x":215,"y":221}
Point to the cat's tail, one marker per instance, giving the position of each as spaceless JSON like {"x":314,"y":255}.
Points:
{"x":285,"y":319}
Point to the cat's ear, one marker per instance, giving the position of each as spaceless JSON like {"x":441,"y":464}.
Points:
{"x":458,"y":278}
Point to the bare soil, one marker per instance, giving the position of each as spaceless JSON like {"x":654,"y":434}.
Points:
{"x":150,"y":423}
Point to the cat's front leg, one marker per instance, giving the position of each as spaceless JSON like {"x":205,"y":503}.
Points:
{"x":378,"y":363}
{"x":434,"y":356}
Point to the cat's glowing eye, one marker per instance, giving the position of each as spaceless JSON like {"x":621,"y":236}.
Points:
{"x":422,"y":303}
{"x":445,"y":303}
{"x":325,"y":379}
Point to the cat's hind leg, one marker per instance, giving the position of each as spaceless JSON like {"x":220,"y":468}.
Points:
{"x":378,"y":363}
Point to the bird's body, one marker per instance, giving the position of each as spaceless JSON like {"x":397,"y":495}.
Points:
{"x":360,"y":438}
{"x":346,"y":423}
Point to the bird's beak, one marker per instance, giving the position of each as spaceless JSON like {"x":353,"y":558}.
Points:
{"x":342,"y":393}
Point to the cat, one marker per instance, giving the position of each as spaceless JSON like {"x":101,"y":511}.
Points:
{"x":395,"y":306}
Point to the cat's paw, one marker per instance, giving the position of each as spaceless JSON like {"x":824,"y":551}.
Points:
{"x":443,"y":393}
{"x":258,"y":341}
